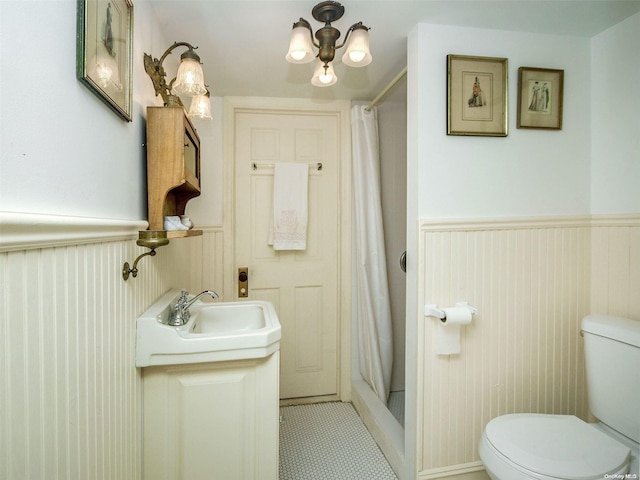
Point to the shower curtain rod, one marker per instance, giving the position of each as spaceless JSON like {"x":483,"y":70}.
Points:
{"x":386,"y":89}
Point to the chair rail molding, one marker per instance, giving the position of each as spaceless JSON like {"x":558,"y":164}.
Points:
{"x":26,"y":231}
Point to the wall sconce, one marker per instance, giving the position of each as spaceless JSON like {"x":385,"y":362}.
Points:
{"x":151,"y":239}
{"x":189,"y":80}
{"x":301,"y":45}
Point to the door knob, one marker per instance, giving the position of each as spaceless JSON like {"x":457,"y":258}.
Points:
{"x":243,"y":282}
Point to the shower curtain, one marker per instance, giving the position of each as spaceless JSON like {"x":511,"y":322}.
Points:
{"x":372,"y":312}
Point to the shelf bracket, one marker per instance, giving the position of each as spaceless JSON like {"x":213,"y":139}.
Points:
{"x":151,"y":239}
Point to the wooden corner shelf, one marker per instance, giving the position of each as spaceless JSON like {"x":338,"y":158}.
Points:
{"x":173,"y":166}
{"x":183,"y":233}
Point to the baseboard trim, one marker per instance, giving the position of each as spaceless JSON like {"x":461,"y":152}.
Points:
{"x":465,"y":471}
{"x":26,"y":231}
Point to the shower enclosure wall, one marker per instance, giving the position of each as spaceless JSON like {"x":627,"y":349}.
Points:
{"x":387,"y":426}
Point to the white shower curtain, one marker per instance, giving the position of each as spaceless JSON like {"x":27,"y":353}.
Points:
{"x":372,"y":313}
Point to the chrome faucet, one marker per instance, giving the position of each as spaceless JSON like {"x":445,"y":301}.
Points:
{"x":180,"y":311}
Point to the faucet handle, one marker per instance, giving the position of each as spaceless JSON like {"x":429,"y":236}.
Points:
{"x":183,"y":298}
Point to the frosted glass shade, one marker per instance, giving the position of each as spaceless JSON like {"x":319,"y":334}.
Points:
{"x":357,"y":53}
{"x":200,"y":107}
{"x":190,"y":78}
{"x":300,"y":46}
{"x":322,"y":78}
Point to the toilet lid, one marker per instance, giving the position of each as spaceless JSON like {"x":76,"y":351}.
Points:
{"x":556,"y":445}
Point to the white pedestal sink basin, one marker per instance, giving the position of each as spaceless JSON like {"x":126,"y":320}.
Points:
{"x":216,"y":332}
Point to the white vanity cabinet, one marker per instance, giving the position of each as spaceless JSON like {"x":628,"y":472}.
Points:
{"x":210,"y":421}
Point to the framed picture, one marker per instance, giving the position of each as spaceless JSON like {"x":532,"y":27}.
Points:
{"x":104,"y":51}
{"x":540,"y":98}
{"x":476,"y":96}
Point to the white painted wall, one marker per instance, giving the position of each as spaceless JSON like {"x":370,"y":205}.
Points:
{"x":206,"y":210}
{"x":615,"y":123}
{"x":528,"y":173}
{"x":65,"y":152}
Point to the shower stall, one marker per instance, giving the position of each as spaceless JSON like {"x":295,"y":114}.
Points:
{"x":383,"y":413}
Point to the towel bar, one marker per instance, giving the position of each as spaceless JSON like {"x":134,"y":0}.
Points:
{"x":255,"y":165}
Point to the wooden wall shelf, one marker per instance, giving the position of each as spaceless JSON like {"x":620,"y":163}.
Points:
{"x":173,"y":166}
{"x":183,"y":233}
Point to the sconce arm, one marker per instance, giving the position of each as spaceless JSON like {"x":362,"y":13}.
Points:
{"x":154,"y":69}
{"x":328,"y":38}
{"x":353,"y":27}
{"x":173,"y":47}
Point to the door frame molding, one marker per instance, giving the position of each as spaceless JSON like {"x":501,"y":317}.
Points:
{"x":342,"y":110}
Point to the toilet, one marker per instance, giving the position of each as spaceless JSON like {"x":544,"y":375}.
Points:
{"x":529,"y":446}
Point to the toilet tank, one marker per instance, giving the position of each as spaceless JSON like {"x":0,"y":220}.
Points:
{"x":612,"y":355}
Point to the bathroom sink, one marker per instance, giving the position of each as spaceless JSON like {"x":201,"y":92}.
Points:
{"x":226,"y":318}
{"x":215,"y":332}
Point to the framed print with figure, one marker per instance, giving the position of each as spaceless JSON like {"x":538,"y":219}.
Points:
{"x":104,"y":51}
{"x":540,"y":98}
{"x":476,"y":96}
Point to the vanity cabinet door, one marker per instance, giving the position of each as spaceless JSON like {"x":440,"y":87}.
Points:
{"x":212,"y":421}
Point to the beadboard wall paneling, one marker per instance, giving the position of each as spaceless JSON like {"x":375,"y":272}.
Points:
{"x":70,"y":394}
{"x":615,"y":266}
{"x":211,"y":266}
{"x":523,"y":351}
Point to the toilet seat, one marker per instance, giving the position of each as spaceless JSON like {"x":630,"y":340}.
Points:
{"x":556,"y":446}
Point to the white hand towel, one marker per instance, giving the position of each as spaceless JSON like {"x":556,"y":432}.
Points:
{"x":290,"y":211}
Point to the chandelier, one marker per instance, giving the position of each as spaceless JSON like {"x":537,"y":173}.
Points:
{"x":301,"y":45}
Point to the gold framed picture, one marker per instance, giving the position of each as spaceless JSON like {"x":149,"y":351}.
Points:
{"x":477,"y":96}
{"x":104,"y":51}
{"x":540,"y":93}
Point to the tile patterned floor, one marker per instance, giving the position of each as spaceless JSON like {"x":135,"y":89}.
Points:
{"x":328,"y":441}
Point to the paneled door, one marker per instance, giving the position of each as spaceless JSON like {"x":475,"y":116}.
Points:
{"x":304,"y":286}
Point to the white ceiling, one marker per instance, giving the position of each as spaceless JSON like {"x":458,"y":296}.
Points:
{"x":242,"y":43}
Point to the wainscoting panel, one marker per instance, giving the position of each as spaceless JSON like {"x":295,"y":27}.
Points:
{"x":615,"y":266}
{"x":208,"y":261}
{"x":70,"y":394}
{"x":523,"y":351}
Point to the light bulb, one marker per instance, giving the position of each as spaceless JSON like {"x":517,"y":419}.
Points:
{"x":298,"y":55}
{"x":326,"y":78}
{"x":300,"y":50}
{"x":357,"y":53}
{"x":356,"y":57}
{"x":200,"y":107}
{"x":189,"y":79}
{"x":323,"y":77}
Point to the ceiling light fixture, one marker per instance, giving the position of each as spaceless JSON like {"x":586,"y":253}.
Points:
{"x":301,"y":45}
{"x":189,"y":80}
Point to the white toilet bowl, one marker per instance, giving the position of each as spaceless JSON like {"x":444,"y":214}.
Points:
{"x":531,"y":446}
{"x":550,"y":447}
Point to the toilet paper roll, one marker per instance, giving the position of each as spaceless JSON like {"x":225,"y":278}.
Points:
{"x":448,"y":335}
